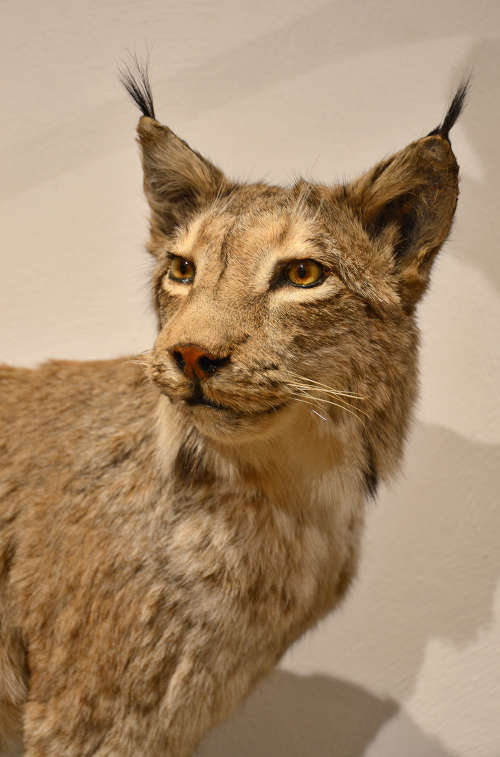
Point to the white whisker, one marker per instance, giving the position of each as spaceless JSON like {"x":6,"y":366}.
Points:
{"x":330,"y":402}
{"x":326,"y":386}
{"x":319,"y":415}
{"x":335,"y":392}
{"x":344,"y":403}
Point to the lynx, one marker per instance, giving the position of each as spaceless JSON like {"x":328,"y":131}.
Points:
{"x":171,"y":523}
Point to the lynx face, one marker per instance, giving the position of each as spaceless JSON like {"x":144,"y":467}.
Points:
{"x":275,"y":300}
{"x":253,"y":312}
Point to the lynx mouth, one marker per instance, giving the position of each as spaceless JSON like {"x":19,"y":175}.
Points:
{"x":200,"y":400}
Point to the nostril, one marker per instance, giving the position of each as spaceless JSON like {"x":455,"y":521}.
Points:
{"x":177,"y":355}
{"x":195,"y":362}
{"x":207,"y":366}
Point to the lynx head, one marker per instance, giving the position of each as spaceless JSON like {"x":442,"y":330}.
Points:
{"x":275,"y":302}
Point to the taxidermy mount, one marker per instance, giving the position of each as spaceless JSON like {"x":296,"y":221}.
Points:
{"x":170,"y":523}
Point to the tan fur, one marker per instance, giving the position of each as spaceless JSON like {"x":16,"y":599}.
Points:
{"x":158,"y":557}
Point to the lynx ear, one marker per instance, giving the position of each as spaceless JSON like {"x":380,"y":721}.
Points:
{"x":177,"y":180}
{"x":411,"y":199}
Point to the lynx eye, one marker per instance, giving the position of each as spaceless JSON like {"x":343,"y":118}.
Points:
{"x":181,"y":270}
{"x":305,"y":273}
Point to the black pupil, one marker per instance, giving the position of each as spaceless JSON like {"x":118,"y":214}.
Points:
{"x":302,"y":271}
{"x":184,"y":267}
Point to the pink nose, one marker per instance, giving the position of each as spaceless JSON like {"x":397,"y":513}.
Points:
{"x":195,"y":361}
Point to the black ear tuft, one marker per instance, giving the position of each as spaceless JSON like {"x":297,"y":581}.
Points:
{"x":454,"y":111}
{"x":135,"y":79}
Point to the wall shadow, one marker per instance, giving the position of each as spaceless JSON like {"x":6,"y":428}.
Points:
{"x":314,"y":716}
{"x":441,"y":522}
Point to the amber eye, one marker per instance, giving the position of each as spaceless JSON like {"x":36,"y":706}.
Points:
{"x":305,"y":273}
{"x":181,"y":270}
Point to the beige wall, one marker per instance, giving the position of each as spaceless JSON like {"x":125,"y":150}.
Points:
{"x":410,"y":665}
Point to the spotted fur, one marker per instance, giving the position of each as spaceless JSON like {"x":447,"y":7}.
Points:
{"x":165,"y":538}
